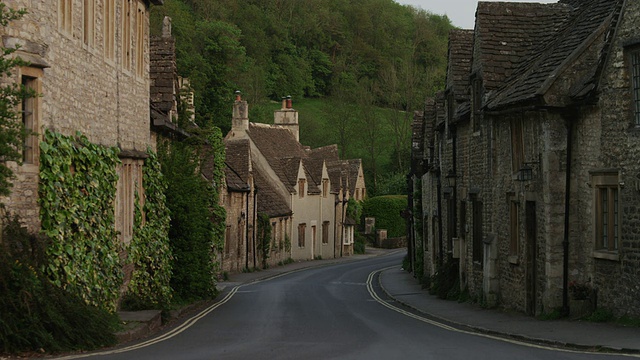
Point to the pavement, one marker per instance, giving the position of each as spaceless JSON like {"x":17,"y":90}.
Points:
{"x":405,"y":289}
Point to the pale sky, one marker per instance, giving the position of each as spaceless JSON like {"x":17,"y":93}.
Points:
{"x":462,"y":13}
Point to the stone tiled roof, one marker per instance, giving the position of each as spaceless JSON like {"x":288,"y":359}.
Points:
{"x":269,"y":200}
{"x":237,"y":161}
{"x":353,"y":167}
{"x":459,"y":64}
{"x":535,"y":76}
{"x":508,"y":33}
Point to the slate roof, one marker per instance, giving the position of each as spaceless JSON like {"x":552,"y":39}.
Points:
{"x":459,"y":64}
{"x":269,"y":201}
{"x":582,"y":20}
{"x":509,"y":33}
{"x":237,"y":161}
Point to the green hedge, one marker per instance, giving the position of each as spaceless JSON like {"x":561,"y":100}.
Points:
{"x":386,"y":210}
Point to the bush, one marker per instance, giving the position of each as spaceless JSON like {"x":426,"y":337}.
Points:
{"x":36,"y":315}
{"x":387,"y":211}
{"x":359,"y":246}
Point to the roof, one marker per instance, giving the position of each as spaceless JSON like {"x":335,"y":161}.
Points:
{"x":459,"y":64}
{"x":576,"y":25}
{"x":269,"y":201}
{"x":237,"y":161}
{"x":508,"y":33}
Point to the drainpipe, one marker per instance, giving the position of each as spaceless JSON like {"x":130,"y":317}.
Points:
{"x":255,"y":217}
{"x":567,"y":200}
{"x":409,"y":222}
{"x":246,"y":232}
{"x":455,"y":188}
{"x":440,"y":242}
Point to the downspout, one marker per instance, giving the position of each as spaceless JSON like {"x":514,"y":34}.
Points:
{"x":335,"y":224}
{"x":409,"y":222}
{"x":246,"y":233}
{"x":455,"y":188}
{"x":440,"y":242}
{"x":255,"y":217}
{"x":567,"y":200}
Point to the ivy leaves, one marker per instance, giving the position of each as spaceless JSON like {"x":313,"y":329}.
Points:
{"x":77,"y":191}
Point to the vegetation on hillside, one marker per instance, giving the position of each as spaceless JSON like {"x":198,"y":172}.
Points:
{"x":355,"y":57}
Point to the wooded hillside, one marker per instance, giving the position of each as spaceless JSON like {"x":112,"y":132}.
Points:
{"x":352,"y":56}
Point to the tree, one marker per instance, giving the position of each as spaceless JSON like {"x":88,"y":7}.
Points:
{"x":12,"y":132}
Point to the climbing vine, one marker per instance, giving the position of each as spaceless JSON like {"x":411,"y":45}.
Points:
{"x":264,"y":237}
{"x":77,"y":191}
{"x":149,"y":250}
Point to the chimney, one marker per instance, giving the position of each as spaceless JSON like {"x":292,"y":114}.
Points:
{"x":166,"y":27}
{"x":240,"y":121}
{"x":287,"y":117}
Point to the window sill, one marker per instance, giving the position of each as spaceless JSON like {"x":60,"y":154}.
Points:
{"x":513,"y":260}
{"x":606,"y":255}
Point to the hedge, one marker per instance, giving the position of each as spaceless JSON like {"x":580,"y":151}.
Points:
{"x":387,"y":211}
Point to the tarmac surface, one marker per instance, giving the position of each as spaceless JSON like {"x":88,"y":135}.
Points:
{"x":405,"y":289}
{"x":402,"y":287}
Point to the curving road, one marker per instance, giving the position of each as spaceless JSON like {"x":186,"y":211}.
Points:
{"x":332,"y":312}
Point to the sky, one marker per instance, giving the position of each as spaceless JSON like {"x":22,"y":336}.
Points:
{"x":462,"y":13}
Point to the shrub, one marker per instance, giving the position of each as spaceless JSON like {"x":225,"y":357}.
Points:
{"x":36,"y":315}
{"x":387,"y":210}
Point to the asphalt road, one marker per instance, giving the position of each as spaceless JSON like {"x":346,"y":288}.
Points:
{"x":332,"y":312}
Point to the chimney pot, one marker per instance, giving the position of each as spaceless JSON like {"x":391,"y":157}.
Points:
{"x":284,"y":102}
{"x":289,"y":102}
{"x":238,"y":95}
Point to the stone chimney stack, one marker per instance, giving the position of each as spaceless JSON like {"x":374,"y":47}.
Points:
{"x":287,"y":117}
{"x":240,"y":122}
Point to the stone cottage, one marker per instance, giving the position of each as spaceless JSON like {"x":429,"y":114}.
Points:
{"x":542,"y":158}
{"x":303,"y":191}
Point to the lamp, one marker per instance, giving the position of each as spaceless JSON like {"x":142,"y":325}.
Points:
{"x":451,"y":178}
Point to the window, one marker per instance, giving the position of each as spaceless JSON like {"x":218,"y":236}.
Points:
{"x":109,"y":29}
{"x":129,"y":182}
{"x":607,"y":207}
{"x":65,"y":15}
{"x":634,"y":60}
{"x":126,"y":34}
{"x":301,"y":183}
{"x":325,"y":187}
{"x":517,"y":146}
{"x":514,"y":229}
{"x":302,"y":228}
{"x":30,"y":111}
{"x":88,"y":20}
{"x":140,"y":39}
{"x":325,"y":232}
{"x":313,"y":235}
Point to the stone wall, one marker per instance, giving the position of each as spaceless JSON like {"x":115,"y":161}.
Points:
{"x":81,"y":89}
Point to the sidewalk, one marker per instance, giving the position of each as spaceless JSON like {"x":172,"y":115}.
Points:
{"x":401,"y":286}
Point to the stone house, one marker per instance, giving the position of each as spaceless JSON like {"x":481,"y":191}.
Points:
{"x":90,"y":80}
{"x":300,"y":189}
{"x":544,"y":156}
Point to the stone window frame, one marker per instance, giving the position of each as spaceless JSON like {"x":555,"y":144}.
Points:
{"x":89,"y":23}
{"x":632,"y":59}
{"x":606,"y":182}
{"x":127,"y":49}
{"x":302,"y":229}
{"x":129,"y":181}
{"x":65,"y":16}
{"x":140,"y":39}
{"x":109,"y":29}
{"x":31,"y":77}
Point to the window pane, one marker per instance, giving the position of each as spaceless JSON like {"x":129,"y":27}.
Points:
{"x":605,"y":218}
{"x":615,"y":219}
{"x":635,"y":69}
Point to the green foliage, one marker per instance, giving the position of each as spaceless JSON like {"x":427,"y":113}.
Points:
{"x":354,"y":210}
{"x":264,"y":237}
{"x":386,"y":210}
{"x":76,"y":195}
{"x":197,"y":221}
{"x":360,"y":242}
{"x":12,"y":132}
{"x":36,"y":315}
{"x":445,"y":282}
{"x":149,"y":250}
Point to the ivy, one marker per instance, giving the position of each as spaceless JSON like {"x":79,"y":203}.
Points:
{"x":77,"y":191}
{"x":149,"y":250}
{"x":264,"y":237}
